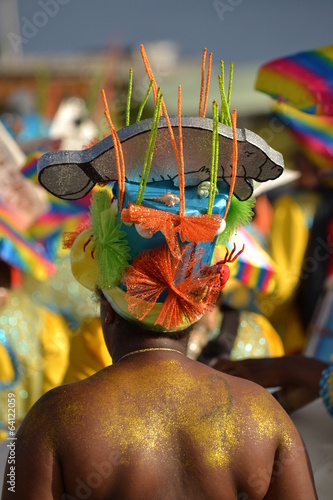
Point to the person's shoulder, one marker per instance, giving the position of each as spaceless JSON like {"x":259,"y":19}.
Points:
{"x":53,"y":417}
{"x":53,"y":406}
{"x":78,"y":390}
{"x":246,"y":390}
{"x":254,"y":399}
{"x":47,"y":406}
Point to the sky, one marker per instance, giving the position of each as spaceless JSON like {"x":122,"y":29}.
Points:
{"x":244,"y":31}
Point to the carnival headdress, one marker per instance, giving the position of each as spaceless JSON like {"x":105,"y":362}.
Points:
{"x":179,"y":185}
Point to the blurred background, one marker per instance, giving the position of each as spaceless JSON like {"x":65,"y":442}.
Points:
{"x":75,"y":43}
{"x":55,"y":57}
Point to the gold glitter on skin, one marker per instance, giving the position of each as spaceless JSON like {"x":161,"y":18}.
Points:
{"x":168,"y":411}
{"x":269,"y":424}
{"x":143,"y":419}
{"x":39,"y":426}
{"x":158,"y":416}
{"x":158,"y":419}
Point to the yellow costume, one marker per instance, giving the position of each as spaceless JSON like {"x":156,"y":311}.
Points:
{"x":40,"y":341}
{"x":88,"y":353}
{"x":290,"y":232}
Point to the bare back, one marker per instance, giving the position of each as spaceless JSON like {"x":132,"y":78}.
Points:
{"x":155,"y":427}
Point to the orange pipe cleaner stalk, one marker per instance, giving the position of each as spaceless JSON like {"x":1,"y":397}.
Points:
{"x":207,"y":84}
{"x":118,"y":152}
{"x":202,"y":80}
{"x":181,"y":173}
{"x":151,"y":77}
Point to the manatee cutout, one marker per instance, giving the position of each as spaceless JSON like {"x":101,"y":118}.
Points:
{"x":72,"y":174}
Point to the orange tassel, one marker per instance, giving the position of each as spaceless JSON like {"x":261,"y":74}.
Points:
{"x":190,"y":292}
{"x":195,"y":229}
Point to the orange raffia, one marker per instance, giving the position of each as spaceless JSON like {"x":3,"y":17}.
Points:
{"x":234,"y":162}
{"x":196,"y":228}
{"x":118,"y":152}
{"x":173,"y":140}
{"x":69,"y":237}
{"x":202,"y":80}
{"x":191,"y":289}
{"x":207,"y":84}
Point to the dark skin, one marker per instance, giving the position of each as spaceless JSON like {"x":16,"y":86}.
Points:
{"x":296,"y":376}
{"x":286,"y":371}
{"x":157,"y":425}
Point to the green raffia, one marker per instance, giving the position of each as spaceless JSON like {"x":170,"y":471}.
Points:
{"x":150,"y":148}
{"x":215,"y":158}
{"x":138,"y":118}
{"x":240,"y":213}
{"x":112,"y":252}
{"x":225,"y":112}
{"x":129,"y":95}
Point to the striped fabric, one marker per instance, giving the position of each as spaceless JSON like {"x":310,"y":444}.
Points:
{"x":254,"y":267}
{"x":303,"y":80}
{"x":313,"y":134}
{"x":35,"y":249}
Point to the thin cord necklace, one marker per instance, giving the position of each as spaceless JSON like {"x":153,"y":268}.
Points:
{"x":149,"y":349}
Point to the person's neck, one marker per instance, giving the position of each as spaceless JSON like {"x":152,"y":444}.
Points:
{"x":135,"y":346}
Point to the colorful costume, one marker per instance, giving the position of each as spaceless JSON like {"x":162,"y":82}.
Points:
{"x":34,"y":347}
{"x":180,"y":185}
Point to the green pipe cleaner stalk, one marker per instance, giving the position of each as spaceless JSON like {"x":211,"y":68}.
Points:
{"x":138,"y":118}
{"x":214,"y":160}
{"x":230,"y":83}
{"x":225,"y":112}
{"x":129,"y":95}
{"x":150,"y":149}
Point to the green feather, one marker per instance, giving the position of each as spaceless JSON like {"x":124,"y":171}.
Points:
{"x":111,"y":246}
{"x":240,"y":213}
